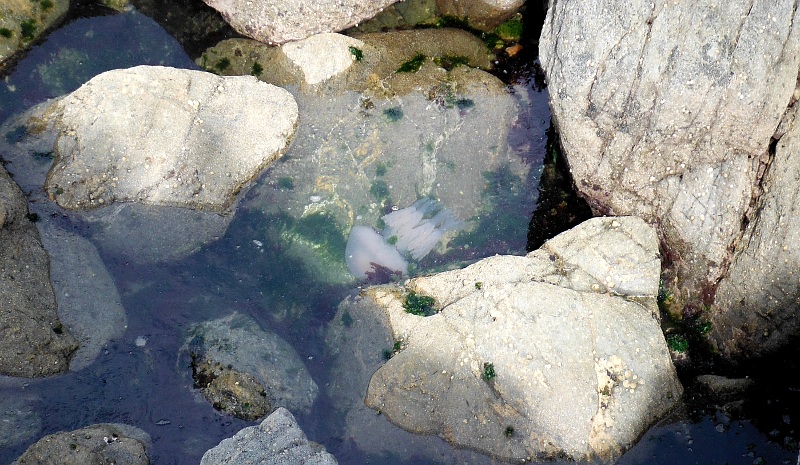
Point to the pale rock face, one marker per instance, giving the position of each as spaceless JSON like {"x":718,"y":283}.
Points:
{"x":559,"y":352}
{"x":166,"y":136}
{"x":287,"y":20}
{"x":322,"y":56}
{"x":667,"y":112}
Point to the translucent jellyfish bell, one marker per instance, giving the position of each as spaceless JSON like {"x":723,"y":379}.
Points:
{"x":419,"y":228}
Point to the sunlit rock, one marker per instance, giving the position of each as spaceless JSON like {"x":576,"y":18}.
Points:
{"x":557,"y":353}
{"x":101,"y":443}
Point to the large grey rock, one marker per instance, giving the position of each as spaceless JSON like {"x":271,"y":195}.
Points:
{"x":558,"y":353}
{"x":288,"y":20}
{"x":165,"y":136}
{"x":667,"y":112}
{"x":278,"y":440}
{"x":237,"y":342}
{"x":102,"y":443}
{"x":33,"y":342}
{"x":757,"y":310}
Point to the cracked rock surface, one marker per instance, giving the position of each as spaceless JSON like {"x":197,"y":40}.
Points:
{"x":667,"y":112}
{"x":556,"y":353}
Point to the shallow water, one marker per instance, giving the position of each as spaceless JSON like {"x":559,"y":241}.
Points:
{"x":149,"y":388}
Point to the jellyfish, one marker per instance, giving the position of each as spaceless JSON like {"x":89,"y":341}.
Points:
{"x":411,"y":232}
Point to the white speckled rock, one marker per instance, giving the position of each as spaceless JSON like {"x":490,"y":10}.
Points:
{"x":287,"y":20}
{"x":322,"y":56}
{"x":166,"y":136}
{"x":579,"y":365}
{"x":667,"y":110}
{"x":277,"y":440}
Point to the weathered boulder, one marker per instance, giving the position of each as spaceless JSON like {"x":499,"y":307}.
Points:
{"x":558,"y":353}
{"x":236,"y":342}
{"x":33,"y":342}
{"x":757,"y":309}
{"x":478,"y":14}
{"x":21,"y":22}
{"x":165,"y":136}
{"x":278,"y":440}
{"x":101,"y":443}
{"x":288,"y":20}
{"x":668,"y":112}
{"x":358,"y":341}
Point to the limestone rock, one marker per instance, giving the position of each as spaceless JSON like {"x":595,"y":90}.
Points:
{"x":288,"y":20}
{"x":278,"y":440}
{"x":667,"y":112}
{"x":556,"y":353}
{"x":101,"y":443}
{"x":33,"y":342}
{"x":757,"y":310}
{"x":238,"y":343}
{"x":165,"y":136}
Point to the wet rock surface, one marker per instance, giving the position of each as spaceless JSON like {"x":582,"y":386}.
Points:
{"x":21,"y":22}
{"x":230,"y":391}
{"x":33,"y":341}
{"x":556,"y":353}
{"x":262,"y":360}
{"x":278,"y":440}
{"x":101,"y":443}
{"x":668,"y":112}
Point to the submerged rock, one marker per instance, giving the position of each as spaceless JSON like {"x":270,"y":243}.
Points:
{"x":558,"y":353}
{"x":231,"y":391}
{"x":278,"y":440}
{"x":268,"y":364}
{"x":33,"y":341}
{"x":102,"y":443}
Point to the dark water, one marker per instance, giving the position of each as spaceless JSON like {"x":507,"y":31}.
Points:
{"x":149,"y":388}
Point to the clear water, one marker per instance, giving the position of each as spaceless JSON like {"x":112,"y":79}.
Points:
{"x":147,"y":387}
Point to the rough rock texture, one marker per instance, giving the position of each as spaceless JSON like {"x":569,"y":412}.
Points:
{"x":288,"y":20}
{"x":381,"y":55}
{"x":231,"y":391}
{"x":33,"y":342}
{"x":556,"y":353}
{"x":278,"y":440}
{"x":102,"y":443}
{"x":359,"y":340}
{"x":22,"y":21}
{"x":667,"y":111}
{"x":166,"y":136}
{"x":481,"y":14}
{"x":757,"y":307}
{"x":237,"y":342}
